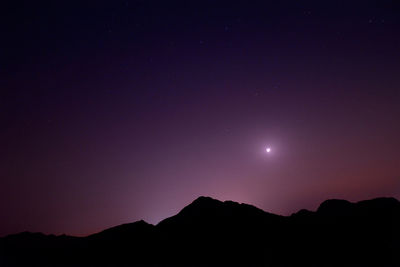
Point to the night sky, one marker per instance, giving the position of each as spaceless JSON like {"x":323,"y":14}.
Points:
{"x":116,"y":111}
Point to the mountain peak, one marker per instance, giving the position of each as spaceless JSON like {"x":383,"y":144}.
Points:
{"x":334,"y":206}
{"x":385,"y":201}
{"x":203,"y":200}
{"x":201,"y":205}
{"x":125,"y":230}
{"x":339,"y":207}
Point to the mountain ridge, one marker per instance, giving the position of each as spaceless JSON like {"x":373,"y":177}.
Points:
{"x":202,"y":199}
{"x":209,"y":231}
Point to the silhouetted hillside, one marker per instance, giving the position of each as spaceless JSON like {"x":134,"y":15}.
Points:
{"x":209,"y":232}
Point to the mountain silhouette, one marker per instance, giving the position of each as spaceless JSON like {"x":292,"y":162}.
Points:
{"x":209,"y":232}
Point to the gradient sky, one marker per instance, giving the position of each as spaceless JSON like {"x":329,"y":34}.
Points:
{"x":116,"y":111}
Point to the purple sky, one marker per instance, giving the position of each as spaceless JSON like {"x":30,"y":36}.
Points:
{"x":116,"y":111}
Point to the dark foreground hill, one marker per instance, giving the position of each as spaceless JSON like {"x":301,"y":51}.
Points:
{"x":209,"y":232}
